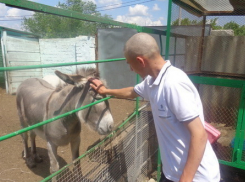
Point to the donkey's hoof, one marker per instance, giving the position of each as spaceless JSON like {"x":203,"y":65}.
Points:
{"x":38,"y":159}
{"x":30,"y":163}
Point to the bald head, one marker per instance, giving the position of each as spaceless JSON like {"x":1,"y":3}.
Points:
{"x":141,"y":44}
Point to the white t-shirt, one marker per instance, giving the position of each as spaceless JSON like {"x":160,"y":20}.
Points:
{"x":174,"y":99}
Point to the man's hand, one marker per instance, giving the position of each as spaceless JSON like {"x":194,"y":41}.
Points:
{"x":123,"y":93}
{"x":98,"y":86}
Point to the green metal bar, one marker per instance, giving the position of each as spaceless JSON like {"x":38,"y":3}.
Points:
{"x":168,"y":30}
{"x":233,"y":164}
{"x":33,"y":6}
{"x":166,"y":58}
{"x":217,"y":81}
{"x":159,"y":162}
{"x":92,"y":149}
{"x":12,"y":68}
{"x":137,"y":98}
{"x":159,"y":165}
{"x":160,"y":37}
{"x":239,"y":136}
{"x":50,"y":120}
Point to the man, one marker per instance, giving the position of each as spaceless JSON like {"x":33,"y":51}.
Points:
{"x":186,"y":153}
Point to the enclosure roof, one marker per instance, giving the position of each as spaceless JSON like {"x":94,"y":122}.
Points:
{"x":18,"y":31}
{"x":212,"y":7}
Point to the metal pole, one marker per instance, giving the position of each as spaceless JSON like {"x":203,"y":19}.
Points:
{"x":166,"y":57}
{"x":168,"y":29}
{"x":12,"y":68}
{"x":180,"y":11}
{"x":201,"y":47}
{"x":3,"y":43}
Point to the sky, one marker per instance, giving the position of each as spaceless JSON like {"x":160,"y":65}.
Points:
{"x":140,"y":12}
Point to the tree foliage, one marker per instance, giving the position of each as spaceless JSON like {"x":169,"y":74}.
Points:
{"x":213,"y":23}
{"x":186,"y":21}
{"x":238,"y":30}
{"x":53,"y":26}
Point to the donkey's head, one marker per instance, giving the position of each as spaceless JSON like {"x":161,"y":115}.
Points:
{"x":97,"y":116}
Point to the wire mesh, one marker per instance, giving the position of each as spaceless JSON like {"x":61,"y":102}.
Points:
{"x":214,"y":43}
{"x":214,"y":47}
{"x":221,"y":106}
{"x":129,"y":155}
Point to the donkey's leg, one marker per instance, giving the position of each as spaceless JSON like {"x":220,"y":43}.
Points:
{"x":23,"y":123}
{"x":27,"y":156}
{"x":52,"y":152}
{"x":75,"y":144}
{"x":35,"y":156}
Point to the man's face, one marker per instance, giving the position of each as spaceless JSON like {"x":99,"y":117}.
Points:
{"x":135,"y":66}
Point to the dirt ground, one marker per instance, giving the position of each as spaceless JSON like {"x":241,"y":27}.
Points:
{"x":13,"y":167}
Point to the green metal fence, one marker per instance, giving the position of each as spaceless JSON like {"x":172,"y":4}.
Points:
{"x":56,"y":11}
{"x":223,"y":98}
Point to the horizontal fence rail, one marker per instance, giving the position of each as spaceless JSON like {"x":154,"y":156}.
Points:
{"x":12,"y":68}
{"x":37,"y":7}
{"x":50,"y":120}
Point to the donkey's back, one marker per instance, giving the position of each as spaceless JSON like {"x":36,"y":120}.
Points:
{"x":31,"y":97}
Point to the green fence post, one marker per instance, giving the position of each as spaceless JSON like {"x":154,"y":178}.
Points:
{"x":166,"y":58}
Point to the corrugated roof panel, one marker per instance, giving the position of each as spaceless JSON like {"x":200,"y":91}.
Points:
{"x":212,"y":7}
{"x":215,"y":5}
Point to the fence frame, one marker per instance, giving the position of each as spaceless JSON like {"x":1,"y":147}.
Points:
{"x":238,"y":145}
{"x":236,"y":160}
{"x":37,"y":7}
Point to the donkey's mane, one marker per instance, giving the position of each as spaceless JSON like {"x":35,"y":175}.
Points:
{"x":88,"y":72}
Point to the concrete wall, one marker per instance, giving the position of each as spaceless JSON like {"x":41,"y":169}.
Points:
{"x":224,"y":54}
{"x":77,"y":49}
{"x":22,"y":51}
{"x":220,"y":54}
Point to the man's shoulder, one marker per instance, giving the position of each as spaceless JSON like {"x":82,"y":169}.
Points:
{"x":176,"y":76}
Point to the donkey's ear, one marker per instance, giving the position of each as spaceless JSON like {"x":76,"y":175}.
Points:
{"x":66,"y":78}
{"x":76,"y":80}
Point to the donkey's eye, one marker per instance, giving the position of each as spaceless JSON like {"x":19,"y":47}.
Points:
{"x":98,"y":97}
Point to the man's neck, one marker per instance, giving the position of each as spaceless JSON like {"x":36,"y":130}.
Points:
{"x":156,"y":67}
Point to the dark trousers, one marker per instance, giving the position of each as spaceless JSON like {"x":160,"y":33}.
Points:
{"x":164,"y":179}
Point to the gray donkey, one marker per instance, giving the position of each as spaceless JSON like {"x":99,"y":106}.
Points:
{"x":37,"y":101}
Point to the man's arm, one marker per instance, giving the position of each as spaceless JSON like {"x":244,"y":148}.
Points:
{"x":123,"y":93}
{"x":197,"y":146}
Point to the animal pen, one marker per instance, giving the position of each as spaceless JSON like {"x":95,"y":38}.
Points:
{"x":214,"y":61}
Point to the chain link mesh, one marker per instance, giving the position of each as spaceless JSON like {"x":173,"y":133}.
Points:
{"x":221,"y":106}
{"x":213,"y":36}
{"x":129,"y":155}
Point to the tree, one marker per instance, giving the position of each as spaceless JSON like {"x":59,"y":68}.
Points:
{"x":53,"y":26}
{"x":186,"y":21}
{"x":213,"y":23}
{"x":238,"y":30}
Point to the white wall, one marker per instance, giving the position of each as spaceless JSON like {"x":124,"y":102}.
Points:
{"x":21,"y":51}
{"x":67,"y":50}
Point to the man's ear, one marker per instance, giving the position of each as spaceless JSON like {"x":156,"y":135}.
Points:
{"x":141,"y":61}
